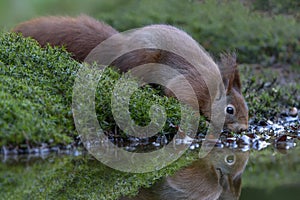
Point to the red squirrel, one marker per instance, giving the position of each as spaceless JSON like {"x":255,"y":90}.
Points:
{"x":80,"y":35}
{"x":216,"y":176}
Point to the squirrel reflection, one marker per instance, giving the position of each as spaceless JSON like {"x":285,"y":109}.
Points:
{"x":216,"y":176}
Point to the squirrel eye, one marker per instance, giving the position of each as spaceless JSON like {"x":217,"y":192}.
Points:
{"x":230,"y":109}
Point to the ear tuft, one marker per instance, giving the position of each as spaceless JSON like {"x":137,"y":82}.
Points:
{"x":228,"y":64}
{"x":229,"y":71}
{"x":228,"y":59}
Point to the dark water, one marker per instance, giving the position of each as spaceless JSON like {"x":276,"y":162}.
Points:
{"x":272,"y":176}
{"x":278,"y":193}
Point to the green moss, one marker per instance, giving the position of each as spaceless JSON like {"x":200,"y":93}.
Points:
{"x":140,"y":103}
{"x":35,"y":90}
{"x":37,"y":85}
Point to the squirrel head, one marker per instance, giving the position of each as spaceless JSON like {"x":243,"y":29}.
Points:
{"x":236,"y":110}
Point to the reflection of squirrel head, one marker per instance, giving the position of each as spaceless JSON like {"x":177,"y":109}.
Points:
{"x":81,"y":35}
{"x":217,"y":176}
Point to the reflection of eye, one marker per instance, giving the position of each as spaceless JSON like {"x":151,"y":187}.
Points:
{"x":230,"y":159}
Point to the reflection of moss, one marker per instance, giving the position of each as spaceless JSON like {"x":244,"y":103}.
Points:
{"x":16,"y":180}
{"x":75,"y":178}
{"x":84,"y":177}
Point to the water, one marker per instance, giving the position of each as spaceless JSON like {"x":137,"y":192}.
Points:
{"x":264,"y":163}
{"x":269,"y":173}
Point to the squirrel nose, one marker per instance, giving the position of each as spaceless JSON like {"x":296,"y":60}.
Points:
{"x":242,"y":127}
{"x":236,"y":127}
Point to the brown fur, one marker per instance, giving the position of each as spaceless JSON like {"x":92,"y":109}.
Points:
{"x":185,"y":68}
{"x":209,"y":178}
{"x":82,"y":34}
{"x":79,"y":35}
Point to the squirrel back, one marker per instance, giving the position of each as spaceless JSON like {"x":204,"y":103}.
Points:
{"x":81,"y":35}
{"x":78,"y":35}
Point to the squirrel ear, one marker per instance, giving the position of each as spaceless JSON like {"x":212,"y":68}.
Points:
{"x":230,"y":73}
